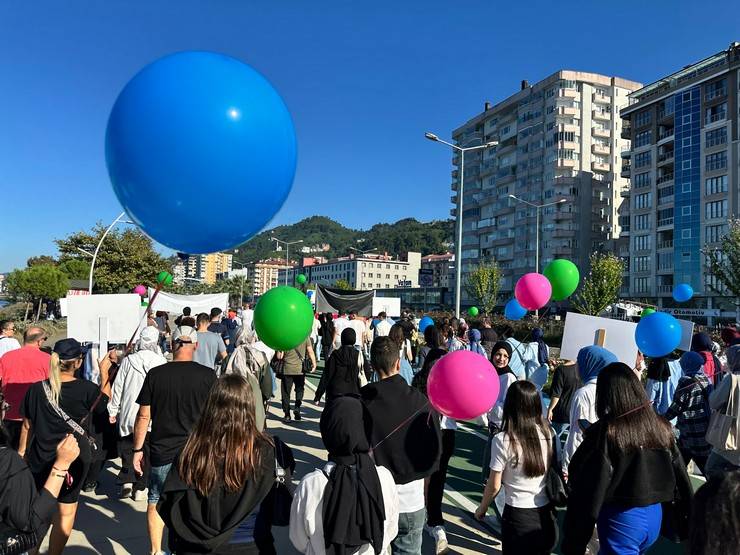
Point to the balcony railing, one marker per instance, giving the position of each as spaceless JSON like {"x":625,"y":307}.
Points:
{"x":665,"y":134}
{"x":665,"y":288}
{"x":665,"y":244}
{"x":665,"y":221}
{"x":665,"y":156}
{"x":664,"y":178}
{"x":716,"y":93}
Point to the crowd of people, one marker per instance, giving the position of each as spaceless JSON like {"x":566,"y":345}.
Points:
{"x":185,"y":409}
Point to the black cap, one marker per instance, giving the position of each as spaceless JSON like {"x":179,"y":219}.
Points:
{"x":68,"y":349}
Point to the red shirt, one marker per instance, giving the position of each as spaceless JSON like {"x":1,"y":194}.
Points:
{"x":18,"y":370}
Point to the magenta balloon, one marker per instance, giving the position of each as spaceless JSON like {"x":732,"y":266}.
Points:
{"x":463,"y":385}
{"x":533,"y":291}
{"x":140,"y":290}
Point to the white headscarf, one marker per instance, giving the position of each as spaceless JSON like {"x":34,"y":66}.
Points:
{"x":149,"y":340}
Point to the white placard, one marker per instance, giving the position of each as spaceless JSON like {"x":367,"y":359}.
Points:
{"x":390,"y":305}
{"x":173,"y":304}
{"x":687,"y":332}
{"x":84,"y":314}
{"x":580,"y":331}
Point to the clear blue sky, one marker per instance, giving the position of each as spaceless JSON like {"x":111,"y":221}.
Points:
{"x":362,"y":80}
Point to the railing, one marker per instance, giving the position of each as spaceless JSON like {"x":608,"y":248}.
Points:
{"x":665,"y":134}
{"x":716,"y":93}
{"x":665,"y":156}
{"x":663,"y":113}
{"x":665,"y":288}
{"x":665,"y":221}
{"x":664,"y":178}
{"x":665,"y":199}
{"x":717,"y":117}
{"x":665,"y":244}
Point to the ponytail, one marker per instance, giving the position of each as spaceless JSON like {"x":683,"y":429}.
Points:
{"x":54,"y":378}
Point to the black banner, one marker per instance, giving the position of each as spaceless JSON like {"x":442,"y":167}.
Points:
{"x":340,"y":300}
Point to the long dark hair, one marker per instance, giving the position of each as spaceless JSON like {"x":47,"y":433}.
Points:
{"x":523,"y":421}
{"x":432,"y":337}
{"x":621,"y":403}
{"x":225,"y":444}
{"x":715,"y":516}
{"x":396,"y":334}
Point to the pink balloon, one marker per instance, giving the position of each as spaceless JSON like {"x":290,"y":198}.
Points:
{"x":140,"y":290}
{"x":533,"y":291}
{"x":463,"y":385}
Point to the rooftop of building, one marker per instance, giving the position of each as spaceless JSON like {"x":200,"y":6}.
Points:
{"x":685,"y":76}
{"x":527,"y":89}
{"x":437,"y":257}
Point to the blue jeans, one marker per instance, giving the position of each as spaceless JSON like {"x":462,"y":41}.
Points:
{"x":410,"y":528}
{"x":628,"y":531}
{"x":157,"y":476}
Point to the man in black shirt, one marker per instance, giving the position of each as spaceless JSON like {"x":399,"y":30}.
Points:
{"x":217,"y":326}
{"x":171,"y":398}
{"x":565,"y":382}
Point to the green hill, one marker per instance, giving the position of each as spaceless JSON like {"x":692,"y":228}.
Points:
{"x":397,"y":238}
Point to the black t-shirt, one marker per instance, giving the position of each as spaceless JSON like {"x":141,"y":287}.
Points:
{"x":565,"y":382}
{"x":219,"y":328}
{"x":76,"y":399}
{"x":176,"y":393}
{"x":488,"y":335}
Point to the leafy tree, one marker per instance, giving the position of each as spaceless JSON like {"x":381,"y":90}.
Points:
{"x":75,"y":268}
{"x":342,"y":284}
{"x":723,"y":264}
{"x":42,"y":259}
{"x":126,"y":258}
{"x":37,"y":283}
{"x":483,"y":285}
{"x":601,"y":287}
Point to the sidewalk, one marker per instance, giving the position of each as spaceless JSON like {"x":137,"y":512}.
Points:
{"x":107,"y":525}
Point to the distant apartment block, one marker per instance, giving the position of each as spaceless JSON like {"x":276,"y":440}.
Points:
{"x":558,"y":139}
{"x":203,"y":267}
{"x":443,"y":268}
{"x":265,"y":275}
{"x":684,"y":166}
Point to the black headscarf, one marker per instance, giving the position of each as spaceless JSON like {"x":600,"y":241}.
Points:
{"x":349,"y":336}
{"x":506,"y":347}
{"x":353,"y":507}
{"x":658,"y":369}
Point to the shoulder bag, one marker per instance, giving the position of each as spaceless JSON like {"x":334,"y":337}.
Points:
{"x":723,"y":432}
{"x":281,"y":495}
{"x":278,"y":366}
{"x":555,"y":486}
{"x":15,"y":542}
{"x":77,"y":430}
{"x":306,"y":364}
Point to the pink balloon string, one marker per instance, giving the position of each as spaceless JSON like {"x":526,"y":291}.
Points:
{"x":401,"y":425}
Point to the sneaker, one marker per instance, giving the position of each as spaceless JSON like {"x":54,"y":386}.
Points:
{"x":440,"y":540}
{"x":125,"y":490}
{"x":297,"y":415}
{"x":89,"y":487}
{"x":286,"y":419}
{"x":139,"y":495}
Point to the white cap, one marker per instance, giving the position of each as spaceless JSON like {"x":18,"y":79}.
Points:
{"x":187,"y":334}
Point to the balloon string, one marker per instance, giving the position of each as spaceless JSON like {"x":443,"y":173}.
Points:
{"x":401,"y":425}
{"x":149,"y":305}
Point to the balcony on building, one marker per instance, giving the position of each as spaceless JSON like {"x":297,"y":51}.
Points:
{"x":625,"y":192}
{"x":603,"y":150}
{"x":601,"y":115}
{"x":665,"y":134}
{"x":564,"y":163}
{"x":568,"y":93}
{"x":601,"y":133}
{"x":664,"y":178}
{"x":665,"y":223}
{"x":626,"y":170}
{"x":599,"y":166}
{"x":664,"y":115}
{"x":665,"y":156}
{"x":665,"y":240}
{"x":453,"y":212}
{"x":626,"y":129}
{"x":453,"y":199}
{"x":601,"y":98}
{"x":665,"y":289}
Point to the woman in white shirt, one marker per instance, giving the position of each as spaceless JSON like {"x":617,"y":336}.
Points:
{"x":520,"y":456}
{"x":331,"y":512}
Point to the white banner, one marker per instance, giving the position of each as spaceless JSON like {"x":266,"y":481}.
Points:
{"x":169,"y":302}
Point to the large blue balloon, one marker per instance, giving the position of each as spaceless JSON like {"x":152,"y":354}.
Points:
{"x":196,"y":134}
{"x":425,"y":322}
{"x":514,"y":311}
{"x":682,"y":292}
{"x":658,"y":334}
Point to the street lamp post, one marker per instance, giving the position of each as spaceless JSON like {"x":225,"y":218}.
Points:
{"x":241,"y":286}
{"x":458,"y":240}
{"x":287,"y":251}
{"x":537,"y":208}
{"x":95,"y":254}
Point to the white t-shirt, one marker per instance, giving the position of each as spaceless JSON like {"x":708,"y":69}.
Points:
{"x":411,"y":496}
{"x":582,"y":407}
{"x":383,"y":328}
{"x":496,"y":414}
{"x":8,"y":344}
{"x":339,"y":325}
{"x":520,"y":491}
{"x":359,"y":327}
{"x":315,"y":330}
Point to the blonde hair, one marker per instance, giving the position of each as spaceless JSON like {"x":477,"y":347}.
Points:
{"x":56,"y":366}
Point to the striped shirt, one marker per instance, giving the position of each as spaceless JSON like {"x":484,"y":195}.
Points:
{"x":691,"y":406}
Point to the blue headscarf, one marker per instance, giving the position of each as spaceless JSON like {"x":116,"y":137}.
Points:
{"x":537,"y":335}
{"x":592,"y":360}
{"x":475,"y":346}
{"x":692,"y":363}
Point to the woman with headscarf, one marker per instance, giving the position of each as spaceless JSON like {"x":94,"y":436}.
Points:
{"x":691,"y":407}
{"x":474,"y":342}
{"x":701,"y":343}
{"x":663,"y":374}
{"x":726,"y":396}
{"x":327,"y":330}
{"x":350,"y":506}
{"x":122,"y":408}
{"x":342,"y":373}
{"x":538,"y":369}
{"x":590,"y":362}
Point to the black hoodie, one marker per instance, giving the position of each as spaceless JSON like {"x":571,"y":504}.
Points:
{"x":403,"y":429}
{"x":341,"y":375}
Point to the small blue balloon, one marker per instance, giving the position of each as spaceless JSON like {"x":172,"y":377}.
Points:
{"x":425,"y":322}
{"x":682,"y":292}
{"x":658,"y":334}
{"x":193,"y":135}
{"x":514,"y":311}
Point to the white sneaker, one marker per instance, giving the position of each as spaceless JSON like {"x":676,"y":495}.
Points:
{"x":139,"y":495}
{"x":440,"y":540}
{"x":125,"y":490}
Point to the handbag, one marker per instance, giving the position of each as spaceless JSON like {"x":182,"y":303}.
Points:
{"x":281,"y":495}
{"x":15,"y":542}
{"x":306,"y":364}
{"x":724,"y":428}
{"x":86,"y":455}
{"x":555,"y":486}
{"x":278,"y":366}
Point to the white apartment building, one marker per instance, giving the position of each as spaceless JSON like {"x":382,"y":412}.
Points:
{"x":557,"y":139}
{"x":265,"y":275}
{"x":371,"y":271}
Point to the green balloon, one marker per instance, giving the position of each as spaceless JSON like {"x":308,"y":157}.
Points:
{"x":563,"y":275}
{"x":646,"y":312}
{"x":283,"y":318}
{"x":473,"y":311}
{"x":165,"y":278}
{"x":300,"y":279}
{"x":144,"y":303}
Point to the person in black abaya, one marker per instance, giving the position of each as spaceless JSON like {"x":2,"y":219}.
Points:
{"x":342,"y":373}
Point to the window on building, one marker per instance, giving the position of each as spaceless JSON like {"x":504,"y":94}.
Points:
{"x":640,"y":284}
{"x":643,"y":118}
{"x":686,"y":210}
{"x":642,"y":221}
{"x":716,"y":137}
{"x":715,"y":113}
{"x":642,"y":242}
{"x":714,"y":233}
{"x":716,"y":209}
{"x":643,"y":138}
{"x":715,"y":89}
{"x":644,"y":200}
{"x":717,"y":161}
{"x":642,"y":180}
{"x":716,"y":185}
{"x":643,"y":159}
{"x":641,"y":263}
{"x":686,"y":234}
